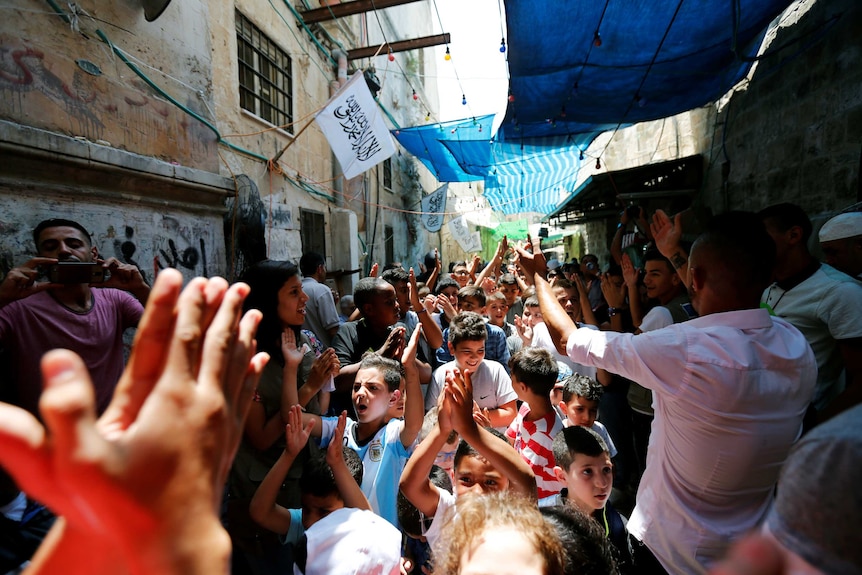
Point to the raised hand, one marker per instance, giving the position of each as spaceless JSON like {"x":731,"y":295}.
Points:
{"x":481,"y":416}
{"x":666,"y":233}
{"x":292,"y":354}
{"x":531,"y":260}
{"x":414,"y":292}
{"x":150,"y":472}
{"x":444,"y":413}
{"x":295,"y":433}
{"x":525,"y":332}
{"x":394,"y":344}
{"x":408,"y":356}
{"x":475,"y":261}
{"x":615,"y":296}
{"x":446,"y":307}
{"x":430,"y":303}
{"x":334,"y":452}
{"x":459,"y":387}
{"x":325,"y":366}
{"x":630,"y":272}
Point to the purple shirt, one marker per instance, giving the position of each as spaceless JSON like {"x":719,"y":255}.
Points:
{"x":37,"y":324}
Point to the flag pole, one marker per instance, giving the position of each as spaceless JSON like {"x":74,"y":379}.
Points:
{"x":290,"y":143}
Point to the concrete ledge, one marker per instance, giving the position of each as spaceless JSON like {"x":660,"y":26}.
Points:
{"x":33,"y":159}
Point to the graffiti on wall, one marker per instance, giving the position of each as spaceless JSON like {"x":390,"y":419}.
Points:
{"x":151,"y":241}
{"x":48,"y":90}
{"x":178,"y":248}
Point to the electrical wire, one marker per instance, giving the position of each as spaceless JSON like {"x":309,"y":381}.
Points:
{"x":645,"y":75}
{"x":454,"y":67}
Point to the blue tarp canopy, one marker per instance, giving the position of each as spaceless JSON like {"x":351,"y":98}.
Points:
{"x":579,"y":68}
{"x":530,"y":175}
{"x":573,"y":63}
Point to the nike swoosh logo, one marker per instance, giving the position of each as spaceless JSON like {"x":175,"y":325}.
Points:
{"x":484,"y":396}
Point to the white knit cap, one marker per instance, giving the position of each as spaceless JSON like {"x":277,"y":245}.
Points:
{"x":842,"y":226}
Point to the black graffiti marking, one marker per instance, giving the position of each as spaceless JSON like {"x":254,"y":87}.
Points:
{"x":204,"y":258}
{"x":188,"y":259}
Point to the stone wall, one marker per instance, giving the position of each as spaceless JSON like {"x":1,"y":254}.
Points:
{"x":794,"y":131}
{"x":790,"y":132}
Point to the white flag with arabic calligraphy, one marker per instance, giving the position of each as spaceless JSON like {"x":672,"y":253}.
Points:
{"x":354,"y":127}
{"x":433,"y":207}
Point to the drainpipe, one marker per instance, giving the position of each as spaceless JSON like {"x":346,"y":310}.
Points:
{"x":341,"y":79}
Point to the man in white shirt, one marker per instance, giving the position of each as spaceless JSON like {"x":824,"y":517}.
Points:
{"x":731,"y":388}
{"x":841,"y":242}
{"x":821,"y":302}
{"x":321,"y":317}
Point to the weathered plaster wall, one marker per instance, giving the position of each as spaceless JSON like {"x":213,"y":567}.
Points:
{"x":41,"y":84}
{"x":308,"y":156}
{"x":190,"y":242}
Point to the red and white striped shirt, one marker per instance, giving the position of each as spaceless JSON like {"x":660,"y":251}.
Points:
{"x":534,"y":441}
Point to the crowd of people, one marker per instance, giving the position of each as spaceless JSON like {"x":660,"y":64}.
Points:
{"x":694,"y":408}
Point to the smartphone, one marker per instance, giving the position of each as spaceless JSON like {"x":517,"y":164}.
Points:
{"x":76,"y":273}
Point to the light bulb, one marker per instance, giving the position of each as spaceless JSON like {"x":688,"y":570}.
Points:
{"x":641,"y":101}
{"x":480,"y":127}
{"x":598,"y":164}
{"x":391,"y":57}
{"x":503,"y":45}
{"x":581,"y":158}
{"x":428,"y":117}
{"x":511,"y":97}
{"x":463,"y":100}
{"x":415,"y":95}
{"x":597,"y":40}
{"x":448,"y":56}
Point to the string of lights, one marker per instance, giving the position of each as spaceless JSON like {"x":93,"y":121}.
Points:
{"x":638,"y":99}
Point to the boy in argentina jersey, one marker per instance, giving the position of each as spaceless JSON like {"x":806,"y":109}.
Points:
{"x":382,"y":442}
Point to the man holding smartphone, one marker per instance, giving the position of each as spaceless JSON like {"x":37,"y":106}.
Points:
{"x":67,"y":297}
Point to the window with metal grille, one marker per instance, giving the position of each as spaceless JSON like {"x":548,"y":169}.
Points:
{"x":265,"y":75}
{"x":387,"y":173}
{"x":389,"y":243}
{"x":311,"y":228}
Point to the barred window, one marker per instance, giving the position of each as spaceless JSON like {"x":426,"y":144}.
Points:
{"x":387,"y":174}
{"x":389,"y":243}
{"x":312,"y":231}
{"x":265,"y":75}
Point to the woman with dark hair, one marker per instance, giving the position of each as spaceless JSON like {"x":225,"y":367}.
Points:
{"x":276,"y":291}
